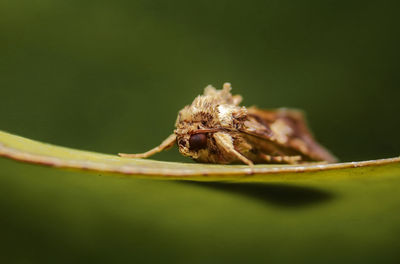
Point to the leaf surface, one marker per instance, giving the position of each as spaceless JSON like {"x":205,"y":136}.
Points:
{"x":336,"y":213}
{"x":26,"y":150}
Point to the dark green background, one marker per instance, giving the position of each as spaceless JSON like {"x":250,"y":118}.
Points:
{"x":110,"y":76}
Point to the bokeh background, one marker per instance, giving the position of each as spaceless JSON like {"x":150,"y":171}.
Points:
{"x":110,"y":76}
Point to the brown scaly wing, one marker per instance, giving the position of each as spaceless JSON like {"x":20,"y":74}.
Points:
{"x":287,"y":130}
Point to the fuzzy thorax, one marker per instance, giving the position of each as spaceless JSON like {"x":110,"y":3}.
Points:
{"x":213,"y":111}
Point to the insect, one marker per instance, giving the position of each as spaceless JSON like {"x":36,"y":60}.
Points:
{"x":216,"y":129}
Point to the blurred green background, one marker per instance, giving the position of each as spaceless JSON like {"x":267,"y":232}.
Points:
{"x":110,"y":76}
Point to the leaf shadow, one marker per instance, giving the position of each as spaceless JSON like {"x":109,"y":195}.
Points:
{"x":281,"y":195}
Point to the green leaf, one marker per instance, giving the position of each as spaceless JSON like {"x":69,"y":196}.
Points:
{"x":27,"y":150}
{"x":325,"y":214}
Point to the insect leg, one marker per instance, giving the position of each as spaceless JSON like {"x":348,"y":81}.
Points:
{"x":166,"y":144}
{"x":224,"y":140}
{"x":281,"y":159}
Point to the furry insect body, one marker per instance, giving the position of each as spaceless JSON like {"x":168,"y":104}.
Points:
{"x":216,"y":129}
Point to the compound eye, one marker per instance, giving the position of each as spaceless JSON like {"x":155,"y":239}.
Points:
{"x":198,"y":141}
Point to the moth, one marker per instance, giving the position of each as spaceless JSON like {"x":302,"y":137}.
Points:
{"x":216,"y":129}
